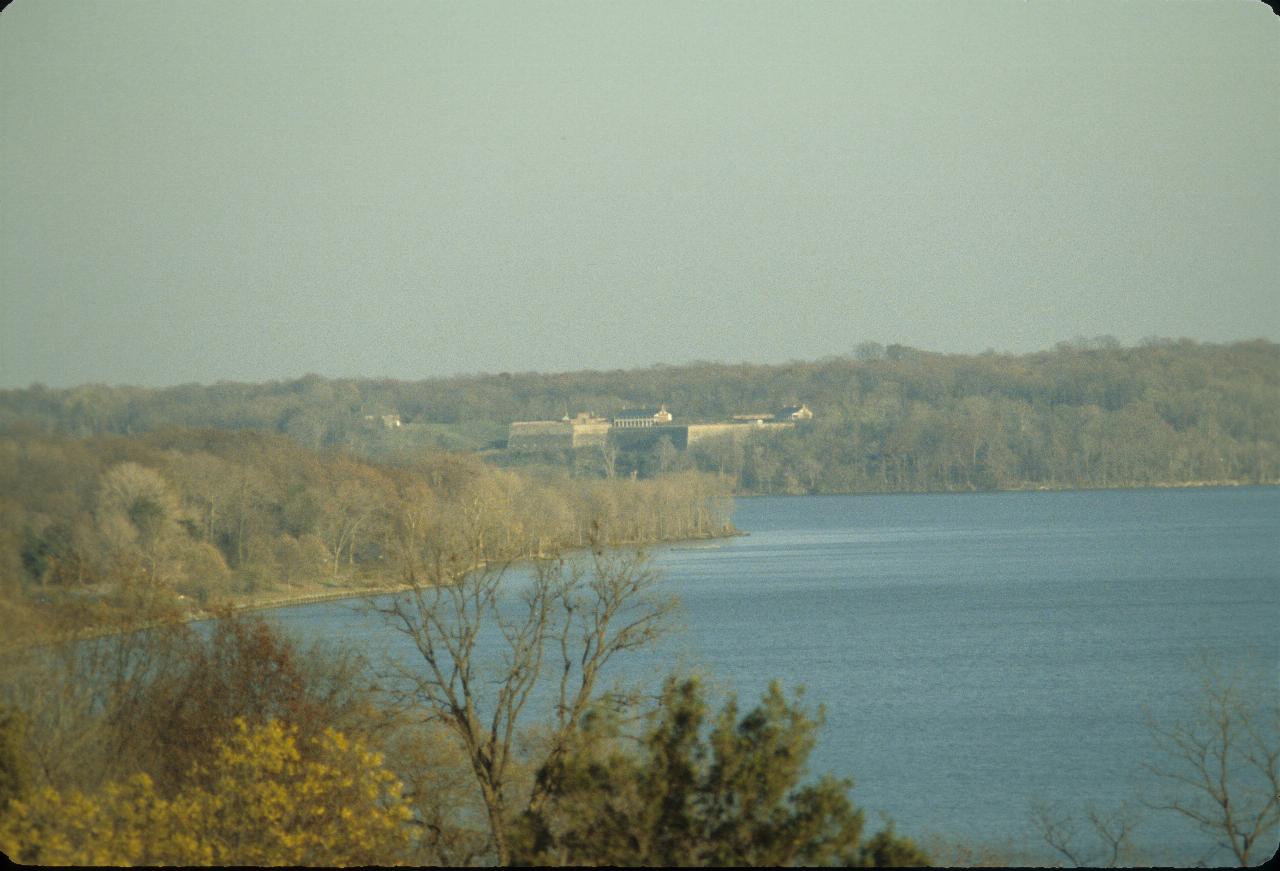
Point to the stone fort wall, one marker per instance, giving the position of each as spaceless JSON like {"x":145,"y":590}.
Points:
{"x":539,"y":435}
{"x":700,"y":431}
{"x":586,"y":435}
{"x":554,"y":435}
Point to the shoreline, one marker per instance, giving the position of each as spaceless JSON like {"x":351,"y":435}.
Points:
{"x":1026,"y":488}
{"x":316,"y":596}
{"x":289,"y":601}
{"x":309,"y":597}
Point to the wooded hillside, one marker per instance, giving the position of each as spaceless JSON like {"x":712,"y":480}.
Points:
{"x":96,"y":525}
{"x":1089,"y":413}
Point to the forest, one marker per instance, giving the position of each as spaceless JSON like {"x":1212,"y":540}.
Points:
{"x":1089,"y":413}
{"x":91,"y":526}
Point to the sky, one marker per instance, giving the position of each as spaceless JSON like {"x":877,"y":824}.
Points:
{"x":195,"y":192}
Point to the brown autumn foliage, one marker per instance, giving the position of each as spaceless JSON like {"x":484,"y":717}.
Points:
{"x":95,"y":529}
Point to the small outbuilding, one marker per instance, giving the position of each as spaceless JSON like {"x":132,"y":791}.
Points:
{"x":795,"y":412}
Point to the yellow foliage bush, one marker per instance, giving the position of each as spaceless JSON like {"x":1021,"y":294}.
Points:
{"x":260,"y":802}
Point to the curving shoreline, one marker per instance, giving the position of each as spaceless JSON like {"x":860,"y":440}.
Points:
{"x":270,"y":602}
{"x":291,"y":600}
{"x":1029,"y":488}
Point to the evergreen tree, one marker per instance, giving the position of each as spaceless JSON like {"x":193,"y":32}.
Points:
{"x":689,"y":792}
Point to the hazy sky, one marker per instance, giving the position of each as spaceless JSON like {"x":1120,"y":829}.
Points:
{"x":251,"y":190}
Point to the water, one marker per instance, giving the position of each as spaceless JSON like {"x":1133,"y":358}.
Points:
{"x":973,"y":651}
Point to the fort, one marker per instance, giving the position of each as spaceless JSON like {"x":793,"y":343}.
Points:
{"x":642,"y":428}
{"x":582,"y":431}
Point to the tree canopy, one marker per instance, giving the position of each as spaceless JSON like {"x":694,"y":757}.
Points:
{"x":689,"y":791}
{"x":1089,"y":413}
{"x":259,"y":801}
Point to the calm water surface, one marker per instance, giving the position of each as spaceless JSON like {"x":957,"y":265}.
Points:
{"x":971,"y":650}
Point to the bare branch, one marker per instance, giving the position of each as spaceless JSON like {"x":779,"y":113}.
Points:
{"x":609,"y":609}
{"x":1057,"y":829}
{"x":1221,"y":766}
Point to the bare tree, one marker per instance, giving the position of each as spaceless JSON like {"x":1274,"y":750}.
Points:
{"x":566,"y":623}
{"x":138,"y":513}
{"x":1221,"y":766}
{"x":1114,"y":831}
{"x":80,"y":697}
{"x":609,"y":456}
{"x":1058,"y":829}
{"x":356,"y":496}
{"x":1102,"y":840}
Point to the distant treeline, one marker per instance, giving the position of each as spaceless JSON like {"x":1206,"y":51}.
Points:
{"x":1090,"y":413}
{"x":216,"y":515}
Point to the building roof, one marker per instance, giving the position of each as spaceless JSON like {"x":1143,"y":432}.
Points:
{"x":793,"y":409}
{"x":628,"y":413}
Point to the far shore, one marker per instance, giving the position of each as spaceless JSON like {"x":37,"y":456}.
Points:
{"x":1028,"y":488}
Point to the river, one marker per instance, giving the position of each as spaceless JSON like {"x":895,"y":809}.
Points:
{"x":972,"y":651}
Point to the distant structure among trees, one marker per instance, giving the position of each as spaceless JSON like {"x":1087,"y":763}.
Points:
{"x":795,"y":412}
{"x":1088,"y":413}
{"x":642,"y":418}
{"x":642,"y":428}
{"x":582,"y":431}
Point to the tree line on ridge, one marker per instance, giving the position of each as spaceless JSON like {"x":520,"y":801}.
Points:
{"x":1090,"y":413}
